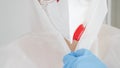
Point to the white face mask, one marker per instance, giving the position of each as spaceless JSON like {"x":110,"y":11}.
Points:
{"x":67,"y":15}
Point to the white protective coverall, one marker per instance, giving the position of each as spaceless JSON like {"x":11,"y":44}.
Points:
{"x":39,"y":44}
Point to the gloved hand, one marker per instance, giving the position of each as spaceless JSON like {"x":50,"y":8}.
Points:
{"x":82,"y":58}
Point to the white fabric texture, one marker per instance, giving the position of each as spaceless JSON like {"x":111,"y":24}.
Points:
{"x":109,"y":46}
{"x":66,"y":18}
{"x":33,"y":50}
{"x":42,"y":46}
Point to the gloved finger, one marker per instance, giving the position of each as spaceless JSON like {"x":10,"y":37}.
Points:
{"x":90,"y":61}
{"x":82,"y":52}
{"x":82,"y":58}
{"x":74,"y":55}
{"x":69,"y":58}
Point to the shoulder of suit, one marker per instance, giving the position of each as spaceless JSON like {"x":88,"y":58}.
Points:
{"x":109,"y":31}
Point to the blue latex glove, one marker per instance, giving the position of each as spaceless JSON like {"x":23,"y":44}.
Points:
{"x":82,"y":58}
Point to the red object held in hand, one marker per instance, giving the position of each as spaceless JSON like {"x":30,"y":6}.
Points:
{"x":78,"y":33}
